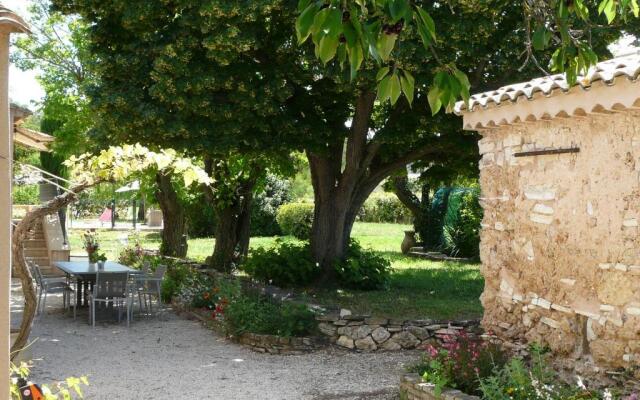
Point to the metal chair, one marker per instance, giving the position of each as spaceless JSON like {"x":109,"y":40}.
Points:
{"x":110,"y":287}
{"x":150,"y":285}
{"x":51,"y":285}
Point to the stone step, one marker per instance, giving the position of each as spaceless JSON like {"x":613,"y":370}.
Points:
{"x":33,"y":252}
{"x":42,"y":262}
{"x":435,"y":256}
{"x":34,"y":243}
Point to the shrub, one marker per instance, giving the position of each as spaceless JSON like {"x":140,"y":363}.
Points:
{"x":518,"y":381}
{"x":286,"y":264}
{"x":256,"y":314}
{"x":363,"y":269}
{"x":385,"y":209}
{"x":199,"y":214}
{"x":174,"y":280}
{"x":295,"y":219}
{"x":266,"y":204}
{"x":26,"y":194}
{"x":461,"y":233}
{"x":461,"y":363}
{"x":69,"y":388}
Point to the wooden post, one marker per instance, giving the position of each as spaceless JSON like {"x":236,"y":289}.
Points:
{"x":9,"y":23}
{"x":6,"y":177}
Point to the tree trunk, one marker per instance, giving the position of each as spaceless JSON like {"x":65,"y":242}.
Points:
{"x":20,"y":266}
{"x":343,"y":177}
{"x":233,"y":216}
{"x":174,"y":232}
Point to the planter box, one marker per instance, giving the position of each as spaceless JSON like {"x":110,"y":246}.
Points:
{"x":413,"y":388}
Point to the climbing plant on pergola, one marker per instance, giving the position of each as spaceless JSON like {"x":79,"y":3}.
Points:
{"x":110,"y":165}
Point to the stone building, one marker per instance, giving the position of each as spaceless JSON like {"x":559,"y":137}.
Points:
{"x":560,"y":178}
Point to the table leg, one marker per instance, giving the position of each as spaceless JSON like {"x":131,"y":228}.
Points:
{"x":78,"y":293}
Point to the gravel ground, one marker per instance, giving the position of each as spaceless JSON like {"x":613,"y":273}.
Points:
{"x":169,"y":357}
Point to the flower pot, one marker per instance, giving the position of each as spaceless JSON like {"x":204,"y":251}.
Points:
{"x":101,"y":265}
{"x":408,"y":242}
{"x":92,"y":265}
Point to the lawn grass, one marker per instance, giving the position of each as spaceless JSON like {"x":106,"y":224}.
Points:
{"x":418,"y":288}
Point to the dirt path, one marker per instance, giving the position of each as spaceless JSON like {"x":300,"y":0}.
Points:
{"x":169,"y":357}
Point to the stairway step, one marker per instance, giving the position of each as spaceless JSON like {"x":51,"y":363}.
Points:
{"x":35,"y":244}
{"x":42,"y":262}
{"x":35,"y":252}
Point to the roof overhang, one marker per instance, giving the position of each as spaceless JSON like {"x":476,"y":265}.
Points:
{"x":11,"y":22}
{"x":611,"y":86}
{"x":32,"y":139}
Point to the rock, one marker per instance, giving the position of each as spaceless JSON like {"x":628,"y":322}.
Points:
{"x":419,"y":332}
{"x":391,"y":345}
{"x":341,"y":322}
{"x":361,"y":332}
{"x":366,"y":344}
{"x":327,"y":317}
{"x":345,"y":331}
{"x":380,"y":335}
{"x":345,"y":342}
{"x":327,"y":329}
{"x":344,"y":312}
{"x":406,"y":340}
{"x":376,"y":321}
{"x":395,"y":328}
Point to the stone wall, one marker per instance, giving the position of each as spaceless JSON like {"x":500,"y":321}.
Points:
{"x":280,"y":345}
{"x":412,"y":388}
{"x":560,"y":248}
{"x":368,"y":334}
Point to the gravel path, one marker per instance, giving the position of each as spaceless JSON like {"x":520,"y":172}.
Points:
{"x":168,"y":357}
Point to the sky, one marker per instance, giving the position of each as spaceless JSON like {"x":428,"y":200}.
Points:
{"x":25,"y":90}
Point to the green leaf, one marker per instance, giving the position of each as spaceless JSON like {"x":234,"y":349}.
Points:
{"x":396,"y":89}
{"x":384,"y":89}
{"x":428,"y":22}
{"x":434,"y":100}
{"x":333,"y":23}
{"x":608,"y":7}
{"x":356,"y":56}
{"x":385,"y":45}
{"x":463,"y":81}
{"x":327,"y":48}
{"x":635,"y":8}
{"x":302,"y":4}
{"x":398,"y":9}
{"x":304,"y":23}
{"x":318,"y":20}
{"x":408,"y":86}
{"x":541,"y":38}
{"x":581,"y":9}
{"x":350,"y":34}
{"x":382,"y":72}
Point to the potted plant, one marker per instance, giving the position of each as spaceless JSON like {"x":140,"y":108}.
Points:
{"x":101,"y":259}
{"x":91,"y":246}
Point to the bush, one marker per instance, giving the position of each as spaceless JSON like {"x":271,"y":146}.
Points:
{"x":385,"y":209}
{"x":256,"y":314}
{"x":265,"y":207}
{"x":291,"y":264}
{"x":287,"y":264}
{"x":363,"y":269}
{"x":174,"y":280}
{"x":518,"y":381}
{"x":199,"y":214}
{"x":26,"y":194}
{"x":295,"y":219}
{"x":461,"y":233}
{"x":461,"y":363}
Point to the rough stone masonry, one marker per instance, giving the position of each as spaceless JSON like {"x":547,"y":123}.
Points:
{"x":560,"y":243}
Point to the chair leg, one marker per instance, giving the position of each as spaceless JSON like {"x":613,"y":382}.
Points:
{"x":39,"y":304}
{"x":140,"y":302}
{"x":44,"y":304}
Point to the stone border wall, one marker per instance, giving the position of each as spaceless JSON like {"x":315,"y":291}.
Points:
{"x":412,"y":388}
{"x":367,"y":333}
{"x":281,"y":345}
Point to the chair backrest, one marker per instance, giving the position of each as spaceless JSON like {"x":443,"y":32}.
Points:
{"x":146,"y":267}
{"x":160,"y":271}
{"x":37,"y":274}
{"x":110,"y":284}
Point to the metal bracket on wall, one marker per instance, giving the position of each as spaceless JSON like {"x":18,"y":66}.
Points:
{"x":547,"y":152}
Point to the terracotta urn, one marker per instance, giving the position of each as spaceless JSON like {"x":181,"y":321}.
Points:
{"x":408,"y":242}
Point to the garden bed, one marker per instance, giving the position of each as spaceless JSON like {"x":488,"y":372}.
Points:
{"x":413,"y":388}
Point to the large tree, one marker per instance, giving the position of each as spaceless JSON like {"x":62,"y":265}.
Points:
{"x":226,"y":77}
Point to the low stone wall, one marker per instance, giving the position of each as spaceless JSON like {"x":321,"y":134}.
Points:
{"x":412,"y":388}
{"x":281,"y":345}
{"x":369,"y":334}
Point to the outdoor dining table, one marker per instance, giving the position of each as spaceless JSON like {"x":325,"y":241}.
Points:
{"x":85,"y":273}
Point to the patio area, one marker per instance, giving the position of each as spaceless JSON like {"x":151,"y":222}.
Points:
{"x":169,"y":357}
